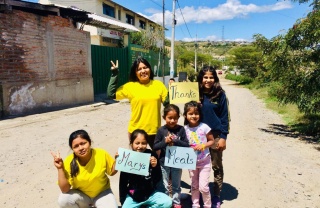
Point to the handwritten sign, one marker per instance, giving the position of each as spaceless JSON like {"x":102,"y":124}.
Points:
{"x":182,"y":92}
{"x":180,"y":157}
{"x":133,"y":162}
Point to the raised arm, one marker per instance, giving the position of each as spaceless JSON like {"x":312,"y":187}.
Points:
{"x":112,"y":86}
{"x":62,"y":179}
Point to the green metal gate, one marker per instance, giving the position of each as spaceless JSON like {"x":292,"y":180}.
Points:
{"x":101,"y":57}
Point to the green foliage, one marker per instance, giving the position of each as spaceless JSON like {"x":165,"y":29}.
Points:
{"x":147,"y":39}
{"x":243,"y":80}
{"x":315,"y":3}
{"x":308,"y":125}
{"x":247,"y":58}
{"x":293,"y":60}
{"x":192,"y":75}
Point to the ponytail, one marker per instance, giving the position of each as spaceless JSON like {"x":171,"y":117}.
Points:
{"x":74,"y":166}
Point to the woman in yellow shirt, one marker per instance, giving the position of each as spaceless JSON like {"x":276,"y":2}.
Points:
{"x":145,"y":96}
{"x":82,"y":176}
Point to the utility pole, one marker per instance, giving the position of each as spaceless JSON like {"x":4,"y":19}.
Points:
{"x":172,"y":40}
{"x":163,"y":43}
{"x":195,"y":55}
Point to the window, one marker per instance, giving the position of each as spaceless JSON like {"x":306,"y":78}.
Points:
{"x":110,"y":40}
{"x":142,"y":24}
{"x":105,"y":39}
{"x":129,"y":19}
{"x":119,"y":14}
{"x":108,"y":10}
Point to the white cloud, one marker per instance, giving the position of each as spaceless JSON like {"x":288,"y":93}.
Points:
{"x":229,"y":10}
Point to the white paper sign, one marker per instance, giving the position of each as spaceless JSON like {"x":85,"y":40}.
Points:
{"x":180,"y":157}
{"x":133,"y":162}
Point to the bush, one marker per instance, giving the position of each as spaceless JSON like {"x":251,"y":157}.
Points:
{"x":239,"y":78}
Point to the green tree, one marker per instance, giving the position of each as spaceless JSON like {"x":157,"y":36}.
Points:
{"x":314,"y":3}
{"x":246,"y":58}
{"x":148,"y":39}
{"x":293,"y":61}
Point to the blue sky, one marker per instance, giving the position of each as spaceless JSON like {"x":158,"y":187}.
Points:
{"x":217,"y":19}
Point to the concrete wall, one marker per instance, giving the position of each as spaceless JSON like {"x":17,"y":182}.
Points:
{"x":44,"y":62}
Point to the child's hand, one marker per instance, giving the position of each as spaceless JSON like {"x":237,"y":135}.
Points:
{"x":116,"y":155}
{"x":153,"y":161}
{"x":114,"y":66}
{"x":199,"y":147}
{"x":169,"y":139}
{"x":57,"y":160}
{"x":221,"y":145}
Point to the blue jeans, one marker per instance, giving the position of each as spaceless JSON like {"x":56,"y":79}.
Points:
{"x":176,"y":182}
{"x":156,"y":200}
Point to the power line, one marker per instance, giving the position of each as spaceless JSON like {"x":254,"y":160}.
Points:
{"x":157,"y":3}
{"x":184,"y":19}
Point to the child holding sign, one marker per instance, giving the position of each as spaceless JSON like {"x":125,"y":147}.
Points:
{"x":170,"y":134}
{"x":200,"y":139}
{"x":137,"y":190}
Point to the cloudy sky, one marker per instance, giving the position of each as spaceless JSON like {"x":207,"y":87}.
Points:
{"x":220,"y":19}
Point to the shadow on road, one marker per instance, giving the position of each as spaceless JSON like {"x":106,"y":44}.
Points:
{"x":280,"y":129}
{"x":284,"y":130}
{"x":228,"y":193}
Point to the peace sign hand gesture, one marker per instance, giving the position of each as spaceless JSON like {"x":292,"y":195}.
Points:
{"x":57,"y":160}
{"x":114,"y":66}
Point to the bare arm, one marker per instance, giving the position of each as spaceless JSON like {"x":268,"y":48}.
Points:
{"x":114,"y":171}
{"x":112,"y":86}
{"x":209,"y":143}
{"x":62,"y":179}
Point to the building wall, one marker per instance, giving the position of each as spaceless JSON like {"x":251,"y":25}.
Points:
{"x":96,"y":6}
{"x":45,"y":62}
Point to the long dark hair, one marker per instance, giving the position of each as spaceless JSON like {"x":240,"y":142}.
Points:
{"x":216,"y":89}
{"x":84,"y":135}
{"x":135,"y":134}
{"x":133,"y":77}
{"x":187,"y":106}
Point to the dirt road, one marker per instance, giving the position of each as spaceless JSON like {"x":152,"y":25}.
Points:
{"x":264,"y":167}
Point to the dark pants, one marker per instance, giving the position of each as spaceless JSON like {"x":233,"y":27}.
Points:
{"x":217,"y":167}
{"x":150,"y":140}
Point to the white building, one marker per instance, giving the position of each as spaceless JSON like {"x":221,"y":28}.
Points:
{"x":121,"y":20}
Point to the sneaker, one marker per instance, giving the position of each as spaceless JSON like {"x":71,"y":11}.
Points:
{"x":216,"y":202}
{"x":177,"y":206}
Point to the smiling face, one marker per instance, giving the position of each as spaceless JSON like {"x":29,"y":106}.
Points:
{"x":81,"y":147}
{"x":171,"y":119}
{"x":143,"y":73}
{"x":207,"y":81}
{"x":140,"y":143}
{"x":193,"y":116}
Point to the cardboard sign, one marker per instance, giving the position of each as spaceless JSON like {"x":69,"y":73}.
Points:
{"x":180,"y":157}
{"x":183,"y":92}
{"x":133,"y":162}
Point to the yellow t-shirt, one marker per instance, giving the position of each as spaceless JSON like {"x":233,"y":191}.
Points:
{"x":145,"y":101}
{"x":92,"y":178}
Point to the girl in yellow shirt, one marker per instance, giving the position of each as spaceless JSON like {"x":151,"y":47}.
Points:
{"x":82,"y":176}
{"x":145,"y":96}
